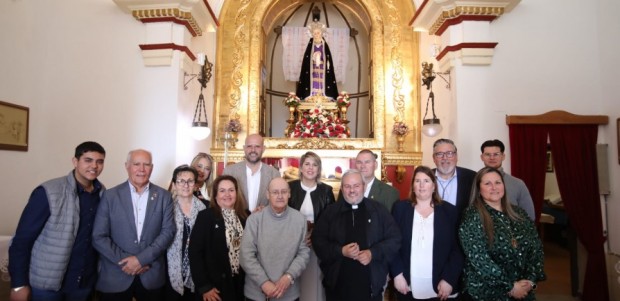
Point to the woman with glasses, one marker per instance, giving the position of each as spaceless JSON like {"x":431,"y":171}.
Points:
{"x":216,"y":241}
{"x":504,"y":257}
{"x":310,"y":196}
{"x":186,"y":207}
{"x":203,"y":163}
{"x":429,"y":263}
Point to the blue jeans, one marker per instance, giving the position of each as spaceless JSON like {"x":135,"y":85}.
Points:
{"x":82,"y":294}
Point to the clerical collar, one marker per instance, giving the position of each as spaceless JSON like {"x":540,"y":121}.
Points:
{"x":357,"y":205}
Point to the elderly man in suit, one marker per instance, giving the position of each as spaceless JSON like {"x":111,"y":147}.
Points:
{"x":133,"y":228}
{"x":454,"y":182}
{"x":253,"y":176}
{"x":386,"y":195}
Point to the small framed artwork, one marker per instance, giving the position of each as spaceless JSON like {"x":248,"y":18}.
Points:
{"x":13,"y":127}
{"x":549,"y":162}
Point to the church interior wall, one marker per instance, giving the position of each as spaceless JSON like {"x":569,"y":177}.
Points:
{"x":82,"y":76}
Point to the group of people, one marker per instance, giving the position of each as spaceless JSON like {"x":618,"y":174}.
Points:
{"x":250,"y":235}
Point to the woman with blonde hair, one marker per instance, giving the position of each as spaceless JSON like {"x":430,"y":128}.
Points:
{"x":429,"y":263}
{"x":203,"y":163}
{"x":504,"y":257}
{"x":310,"y":196}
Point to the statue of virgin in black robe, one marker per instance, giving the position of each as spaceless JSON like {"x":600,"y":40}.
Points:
{"x":317,"y":77}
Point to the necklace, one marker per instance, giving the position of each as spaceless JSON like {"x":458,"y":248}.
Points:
{"x":513,"y":240}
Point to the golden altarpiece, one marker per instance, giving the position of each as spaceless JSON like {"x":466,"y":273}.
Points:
{"x":394,"y":85}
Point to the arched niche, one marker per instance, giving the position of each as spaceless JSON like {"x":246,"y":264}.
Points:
{"x":393,"y":73}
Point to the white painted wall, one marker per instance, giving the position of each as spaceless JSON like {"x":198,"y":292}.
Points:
{"x":552,"y":55}
{"x":77,"y":66}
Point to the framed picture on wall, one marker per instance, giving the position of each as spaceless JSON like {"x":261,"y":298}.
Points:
{"x":549,"y":162}
{"x":13,"y":127}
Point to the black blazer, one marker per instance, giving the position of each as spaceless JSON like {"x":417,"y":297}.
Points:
{"x":322,"y":196}
{"x":448,"y":259}
{"x":465,"y":180}
{"x":208,"y":258}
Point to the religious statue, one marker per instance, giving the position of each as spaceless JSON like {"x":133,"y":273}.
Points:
{"x":317,"y":77}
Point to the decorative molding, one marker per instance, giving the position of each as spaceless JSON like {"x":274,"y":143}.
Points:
{"x":314,"y":143}
{"x":459,"y":20}
{"x":217,"y":23}
{"x":466,"y":54}
{"x":404,"y":159}
{"x":457,"y":47}
{"x":557,"y":117}
{"x":483,"y":13}
{"x":174,"y":15}
{"x":433,"y":14}
{"x":161,"y":54}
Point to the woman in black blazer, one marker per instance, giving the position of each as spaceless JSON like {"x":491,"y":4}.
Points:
{"x":310,"y":197}
{"x":429,"y":231}
{"x":216,"y":238}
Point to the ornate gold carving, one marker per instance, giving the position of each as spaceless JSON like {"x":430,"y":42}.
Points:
{"x":240,"y":49}
{"x":237,"y":61}
{"x":314,"y":143}
{"x":406,"y":159}
{"x":397,"y":64}
{"x":155,"y":13}
{"x":464,"y":11}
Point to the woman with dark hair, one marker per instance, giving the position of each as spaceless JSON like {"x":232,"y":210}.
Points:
{"x":214,"y":252}
{"x":310,"y":196}
{"x":504,"y":257}
{"x":186,"y":208}
{"x":203,"y":163}
{"x":429,"y":263}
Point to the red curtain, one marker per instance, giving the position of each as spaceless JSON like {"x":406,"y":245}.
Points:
{"x":574,"y":157}
{"x":528,"y":145}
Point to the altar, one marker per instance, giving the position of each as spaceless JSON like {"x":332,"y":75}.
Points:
{"x":319,"y":117}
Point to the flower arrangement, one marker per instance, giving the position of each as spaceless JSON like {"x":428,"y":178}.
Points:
{"x":343,"y":100}
{"x":320,"y":123}
{"x":233,"y":126}
{"x":292,"y":100}
{"x":400,"y":128}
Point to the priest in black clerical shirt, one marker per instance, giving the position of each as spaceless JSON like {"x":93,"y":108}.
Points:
{"x":355,"y":240}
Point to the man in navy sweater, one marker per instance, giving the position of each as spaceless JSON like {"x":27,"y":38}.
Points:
{"x":51,"y":256}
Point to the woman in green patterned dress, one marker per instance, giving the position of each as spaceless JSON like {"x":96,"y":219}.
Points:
{"x":504,"y":257}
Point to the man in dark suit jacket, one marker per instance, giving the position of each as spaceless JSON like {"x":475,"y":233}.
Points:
{"x":133,"y":228}
{"x":386,"y":195}
{"x":255,"y":192}
{"x":453,"y":182}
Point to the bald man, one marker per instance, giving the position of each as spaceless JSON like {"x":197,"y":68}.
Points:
{"x":253,"y":176}
{"x":273,"y":248}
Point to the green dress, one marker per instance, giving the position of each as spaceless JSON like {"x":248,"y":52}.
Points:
{"x":516,"y":253}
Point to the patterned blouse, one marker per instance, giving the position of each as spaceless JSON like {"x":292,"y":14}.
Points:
{"x":516,"y":253}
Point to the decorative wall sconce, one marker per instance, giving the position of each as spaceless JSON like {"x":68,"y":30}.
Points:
{"x":200,"y":127}
{"x":431,"y":127}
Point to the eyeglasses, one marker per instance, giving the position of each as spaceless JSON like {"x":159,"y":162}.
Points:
{"x":188,"y":182}
{"x":444,"y":154}
{"x":492,"y":155}
{"x":279,"y":192}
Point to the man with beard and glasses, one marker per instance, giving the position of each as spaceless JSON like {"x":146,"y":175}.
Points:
{"x":253,"y":176}
{"x":453,"y":182}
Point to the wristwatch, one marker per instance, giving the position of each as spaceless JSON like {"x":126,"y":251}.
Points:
{"x":17,"y":289}
{"x":290,"y":278}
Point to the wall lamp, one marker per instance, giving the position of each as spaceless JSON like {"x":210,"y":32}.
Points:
{"x":431,"y":127}
{"x":200,"y":127}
